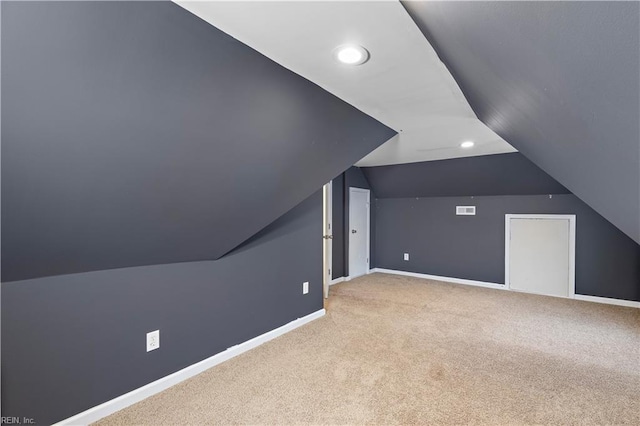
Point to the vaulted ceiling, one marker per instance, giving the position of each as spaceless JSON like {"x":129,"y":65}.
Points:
{"x":560,"y":81}
{"x":136,"y":133}
{"x":404,"y":85}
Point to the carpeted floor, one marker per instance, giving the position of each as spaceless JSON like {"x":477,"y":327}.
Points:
{"x":398,"y":350}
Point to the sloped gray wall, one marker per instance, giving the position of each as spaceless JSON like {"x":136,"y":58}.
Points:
{"x":71,"y":342}
{"x":134,"y":133}
{"x":501,"y":174}
{"x":558,"y":81}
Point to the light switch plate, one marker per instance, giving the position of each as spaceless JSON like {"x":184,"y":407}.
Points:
{"x":305,"y":287}
{"x":406,"y":256}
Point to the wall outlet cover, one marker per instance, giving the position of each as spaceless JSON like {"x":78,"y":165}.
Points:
{"x":305,"y":287}
{"x":406,"y":256}
{"x":153,"y":340}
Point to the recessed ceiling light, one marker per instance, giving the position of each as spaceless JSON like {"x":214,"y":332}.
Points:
{"x":351,"y":54}
{"x":467,"y":144}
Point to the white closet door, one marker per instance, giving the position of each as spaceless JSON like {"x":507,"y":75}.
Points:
{"x":539,"y":256}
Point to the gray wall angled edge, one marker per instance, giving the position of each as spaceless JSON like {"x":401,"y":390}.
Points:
{"x":500,"y":174}
{"x":134,"y":133}
{"x":559,"y":82}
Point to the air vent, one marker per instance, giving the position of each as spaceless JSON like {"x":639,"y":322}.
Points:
{"x":466,"y":210}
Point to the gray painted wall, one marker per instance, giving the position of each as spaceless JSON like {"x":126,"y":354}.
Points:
{"x":503,"y":174}
{"x":558,"y":81}
{"x":71,"y":342}
{"x":135,"y":134}
{"x":472,"y":247}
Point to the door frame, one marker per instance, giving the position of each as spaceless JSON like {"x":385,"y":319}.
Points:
{"x":572,"y":246}
{"x":353,"y":189}
{"x":327,"y":243}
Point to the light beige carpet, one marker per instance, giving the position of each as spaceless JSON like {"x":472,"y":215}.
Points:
{"x":397,"y":350}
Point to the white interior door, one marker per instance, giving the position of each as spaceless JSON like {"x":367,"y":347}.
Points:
{"x":327,"y":237}
{"x":358,"y":232}
{"x":540,"y":255}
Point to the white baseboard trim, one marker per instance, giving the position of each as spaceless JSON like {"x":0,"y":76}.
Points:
{"x":349,"y":277}
{"x":337,"y":280}
{"x":439,"y":278}
{"x":607,"y":300}
{"x":596,"y":299}
{"x":103,"y":410}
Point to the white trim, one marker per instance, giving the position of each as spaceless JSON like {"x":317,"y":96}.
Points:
{"x":337,"y":281}
{"x":595,"y":299}
{"x":349,"y":277}
{"x":572,"y":245}
{"x":439,"y":278}
{"x":103,"y":410}
{"x":327,"y":244}
{"x":368,"y":243}
{"x":608,"y":301}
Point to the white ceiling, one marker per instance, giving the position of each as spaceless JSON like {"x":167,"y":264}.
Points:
{"x":404,"y":85}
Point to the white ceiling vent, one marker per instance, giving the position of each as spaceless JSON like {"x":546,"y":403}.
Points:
{"x":466,"y":210}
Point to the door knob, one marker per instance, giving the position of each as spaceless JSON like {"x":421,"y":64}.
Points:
{"x":328,"y":237}
{"x":353,"y":231}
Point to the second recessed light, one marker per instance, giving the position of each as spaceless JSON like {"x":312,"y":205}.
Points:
{"x":351,"y":54}
{"x":467,"y":144}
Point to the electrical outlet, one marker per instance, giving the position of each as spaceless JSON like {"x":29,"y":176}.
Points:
{"x":153,"y":340}
{"x":406,"y":256}
{"x":305,"y":287}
